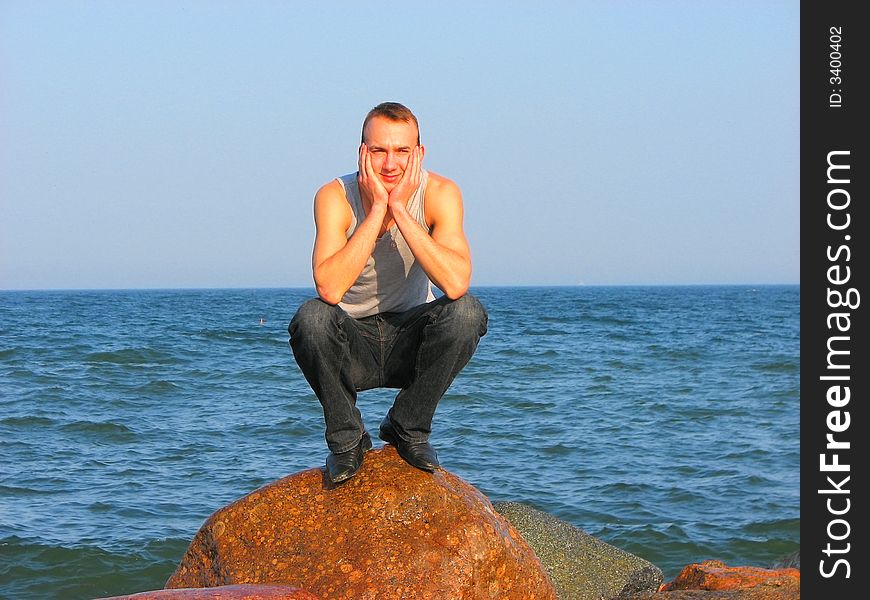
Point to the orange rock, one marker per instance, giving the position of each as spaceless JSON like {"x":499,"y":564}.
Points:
{"x":392,"y":531}
{"x":227,"y":592}
{"x":716,"y":575}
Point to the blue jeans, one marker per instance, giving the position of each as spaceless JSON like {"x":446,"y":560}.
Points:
{"x":419,"y":351}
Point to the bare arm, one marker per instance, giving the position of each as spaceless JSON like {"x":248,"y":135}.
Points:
{"x":337,"y":261}
{"x":444,"y":254}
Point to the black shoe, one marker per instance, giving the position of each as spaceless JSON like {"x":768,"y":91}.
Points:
{"x":344,"y":465}
{"x":418,"y":454}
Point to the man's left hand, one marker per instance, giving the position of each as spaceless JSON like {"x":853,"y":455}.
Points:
{"x":410,"y":181}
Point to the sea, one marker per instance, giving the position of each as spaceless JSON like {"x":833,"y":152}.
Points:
{"x":662,"y":420}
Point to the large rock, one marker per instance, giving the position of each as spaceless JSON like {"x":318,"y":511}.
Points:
{"x":227,"y":592}
{"x":581,"y":566}
{"x":390,"y":532}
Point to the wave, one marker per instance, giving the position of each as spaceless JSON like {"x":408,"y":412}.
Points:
{"x":544,"y":332}
{"x":27,"y":422}
{"x":105,"y":430}
{"x":158,"y":386}
{"x":231,"y":335}
{"x":779,"y":367}
{"x":131,"y":356}
{"x":12,"y":490}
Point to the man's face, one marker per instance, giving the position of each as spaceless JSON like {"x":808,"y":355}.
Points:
{"x":390,"y":144}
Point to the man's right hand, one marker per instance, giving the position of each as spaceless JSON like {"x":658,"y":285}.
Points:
{"x":371,"y":188}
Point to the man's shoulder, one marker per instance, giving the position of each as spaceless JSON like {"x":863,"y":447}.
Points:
{"x":336,"y":189}
{"x":440,"y":186}
{"x":331,"y":200}
{"x":443,"y":200}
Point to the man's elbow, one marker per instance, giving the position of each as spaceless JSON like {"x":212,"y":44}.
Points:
{"x":456,"y":285}
{"x":329,"y":295}
{"x":456,"y":290}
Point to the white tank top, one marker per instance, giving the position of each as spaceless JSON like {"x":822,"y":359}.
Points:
{"x":392,"y":279}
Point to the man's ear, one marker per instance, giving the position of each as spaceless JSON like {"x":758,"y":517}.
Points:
{"x":422,"y":151}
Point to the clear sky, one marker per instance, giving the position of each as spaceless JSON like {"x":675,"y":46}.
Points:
{"x":179,"y":143}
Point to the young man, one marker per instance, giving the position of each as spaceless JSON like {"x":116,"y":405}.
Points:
{"x":383,"y":235}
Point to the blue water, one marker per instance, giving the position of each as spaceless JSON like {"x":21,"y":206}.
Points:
{"x":663,"y":420}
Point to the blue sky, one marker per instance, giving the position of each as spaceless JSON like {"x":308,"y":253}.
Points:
{"x":179,"y":143}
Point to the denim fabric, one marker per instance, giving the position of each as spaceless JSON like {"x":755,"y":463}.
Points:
{"x":419,"y":351}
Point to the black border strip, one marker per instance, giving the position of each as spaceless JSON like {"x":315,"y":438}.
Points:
{"x":834,"y":230}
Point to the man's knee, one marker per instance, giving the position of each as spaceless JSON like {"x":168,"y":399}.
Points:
{"x":468,"y":315}
{"x":315,"y":318}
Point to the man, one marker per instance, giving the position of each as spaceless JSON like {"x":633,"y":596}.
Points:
{"x":383,"y":235}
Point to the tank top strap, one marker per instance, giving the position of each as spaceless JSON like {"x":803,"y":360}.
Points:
{"x":416,"y":204}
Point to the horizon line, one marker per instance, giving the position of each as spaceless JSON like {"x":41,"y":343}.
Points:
{"x":480,"y":286}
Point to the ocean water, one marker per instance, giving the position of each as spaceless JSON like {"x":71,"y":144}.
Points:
{"x":663,"y":420}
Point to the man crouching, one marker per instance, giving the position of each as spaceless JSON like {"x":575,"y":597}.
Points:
{"x":384,"y":235}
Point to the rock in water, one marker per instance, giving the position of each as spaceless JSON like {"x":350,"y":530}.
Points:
{"x":581,"y":566}
{"x":390,"y":532}
{"x":716,"y":575}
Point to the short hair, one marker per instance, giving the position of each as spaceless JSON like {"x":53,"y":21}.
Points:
{"x":392,"y":111}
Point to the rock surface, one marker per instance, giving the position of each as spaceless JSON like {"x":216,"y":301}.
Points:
{"x":713,"y":580}
{"x":581,"y":566}
{"x":390,"y":532}
{"x":716,"y":575}
{"x":227,"y":592}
